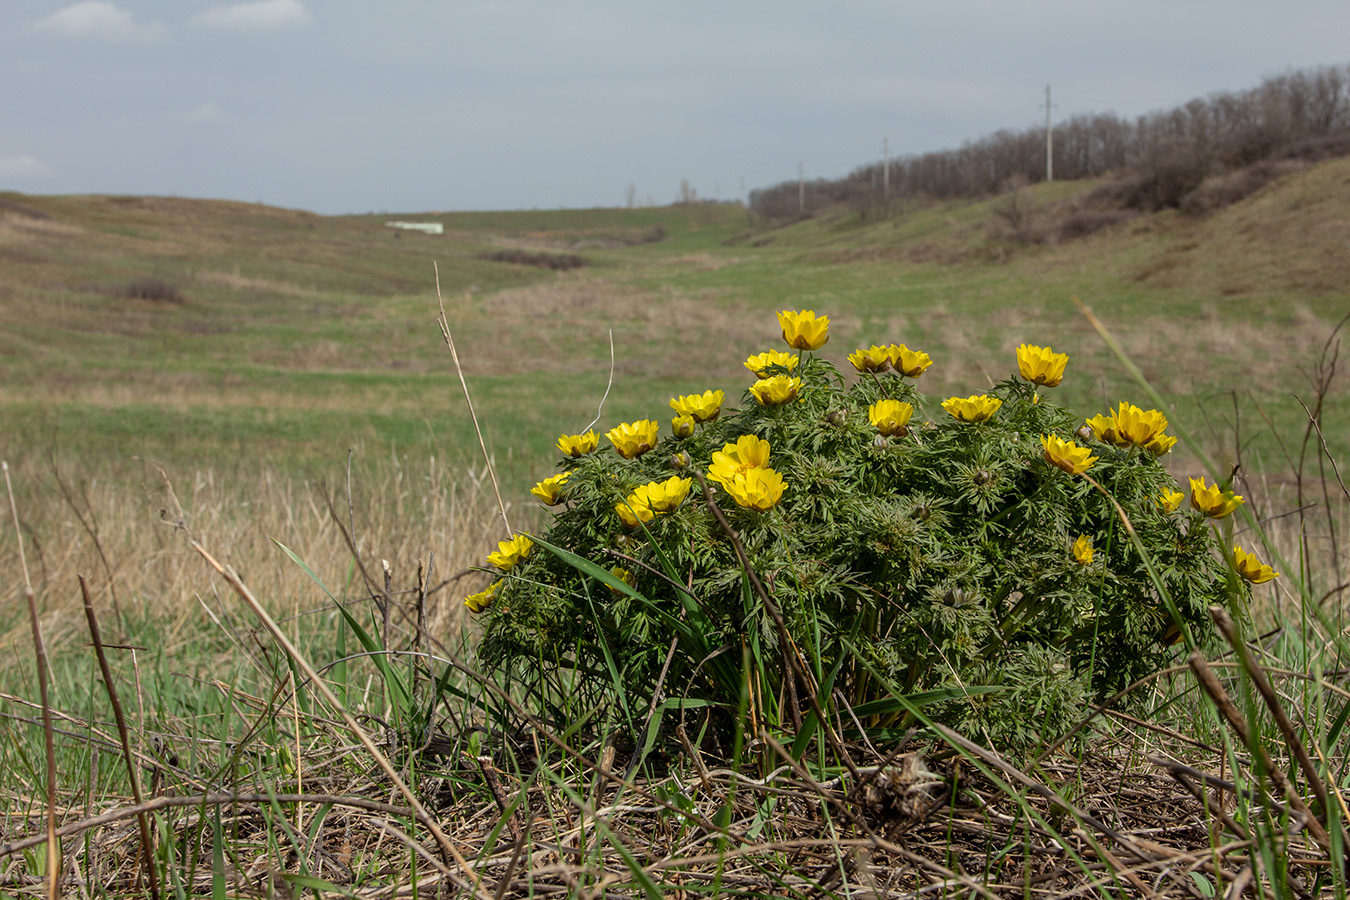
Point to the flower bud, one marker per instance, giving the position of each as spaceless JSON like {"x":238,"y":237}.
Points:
{"x":680,"y":461}
{"x":1085,"y":434}
{"x":954,"y":597}
{"x":880,"y":442}
{"x":982,"y":477}
{"x":923,"y":511}
{"x":837,"y":417}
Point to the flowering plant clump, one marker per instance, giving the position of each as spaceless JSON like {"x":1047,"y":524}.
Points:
{"x":972,"y":557}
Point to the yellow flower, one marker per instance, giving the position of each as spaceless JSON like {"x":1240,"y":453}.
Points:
{"x":653,"y":498}
{"x":510,"y":552}
{"x":682,"y":426}
{"x":873,"y":359}
{"x":1161,"y":444}
{"x":890,"y":416}
{"x":1170,"y":500}
{"x":1136,"y":426}
{"x":756,"y":488}
{"x":975,"y":408}
{"x":669,"y":494}
{"x":776,"y":391}
{"x":1213,"y":500}
{"x":703,"y":407}
{"x":1082,"y":549}
{"x":623,"y":575}
{"x":632,"y":514}
{"x":550,"y":489}
{"x":483,"y":599}
{"x":804,"y":330}
{"x":633,"y":439}
{"x":907,"y":362}
{"x":1041,"y":365}
{"x":749,"y":452}
{"x":1104,"y":427}
{"x":575,"y":445}
{"x":1251,"y":568}
{"x":762,"y":363}
{"x":1067,"y":455}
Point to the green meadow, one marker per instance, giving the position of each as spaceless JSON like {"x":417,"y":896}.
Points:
{"x":295,"y":337}
{"x":191,"y":378}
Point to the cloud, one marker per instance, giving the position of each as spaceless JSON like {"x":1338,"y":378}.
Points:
{"x":204,"y":114}
{"x":261,"y":15}
{"x":23,"y":167}
{"x":101,"y":20}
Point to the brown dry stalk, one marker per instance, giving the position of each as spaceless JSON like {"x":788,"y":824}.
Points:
{"x":147,"y":855}
{"x":1263,"y":687}
{"x":1238,"y":723}
{"x":40,"y":650}
{"x":173,"y":802}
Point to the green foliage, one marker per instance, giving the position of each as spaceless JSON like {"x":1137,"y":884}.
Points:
{"x":943,"y":555}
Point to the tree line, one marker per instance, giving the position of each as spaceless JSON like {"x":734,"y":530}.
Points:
{"x":1168,"y":154}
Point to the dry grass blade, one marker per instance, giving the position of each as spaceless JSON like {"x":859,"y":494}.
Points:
{"x":444,"y":322}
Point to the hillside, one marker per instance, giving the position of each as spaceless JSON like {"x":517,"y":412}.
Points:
{"x":280,"y":335}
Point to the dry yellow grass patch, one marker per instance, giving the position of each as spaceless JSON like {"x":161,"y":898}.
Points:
{"x":237,"y":281}
{"x":403,"y":513}
{"x":20,"y":230}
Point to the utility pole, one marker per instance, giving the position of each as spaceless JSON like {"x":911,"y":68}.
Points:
{"x":886,"y":171}
{"x":801,"y":191}
{"x":1049,"y":140}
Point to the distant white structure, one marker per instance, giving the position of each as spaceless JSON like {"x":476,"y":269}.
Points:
{"x":425,"y":227}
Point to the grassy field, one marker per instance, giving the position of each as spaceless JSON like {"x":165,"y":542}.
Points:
{"x":298,"y":337}
{"x":282,"y":377}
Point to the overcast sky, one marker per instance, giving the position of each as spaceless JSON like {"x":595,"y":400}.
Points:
{"x":353,"y":106}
